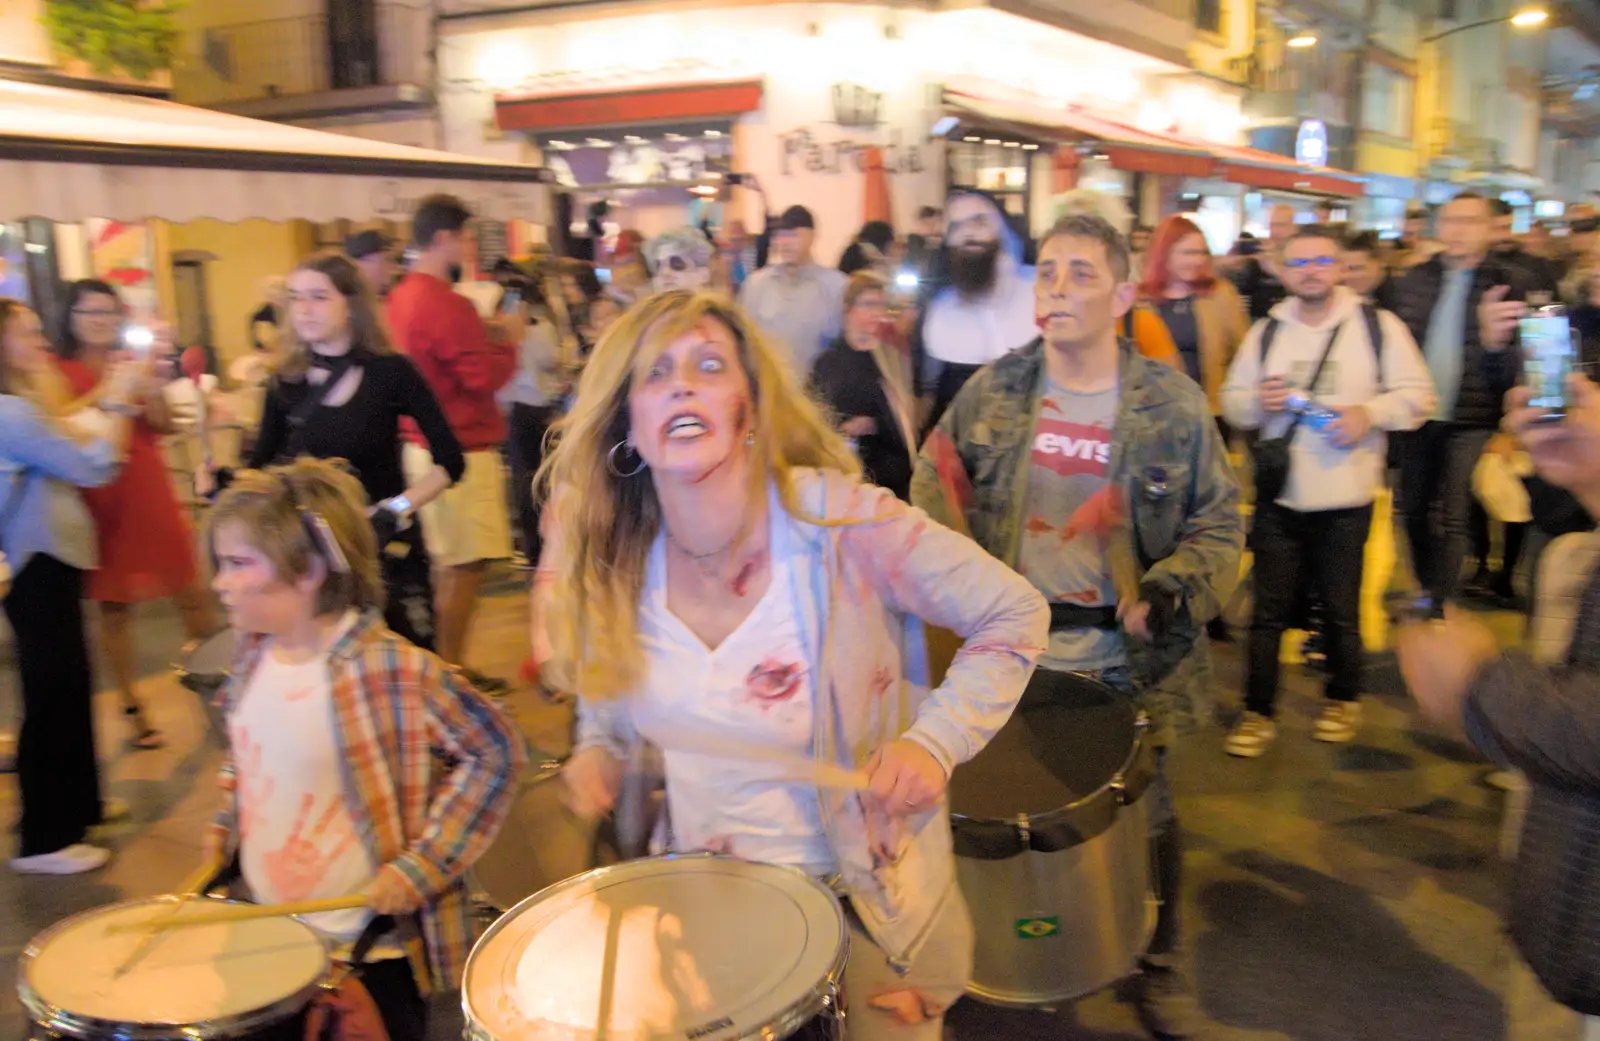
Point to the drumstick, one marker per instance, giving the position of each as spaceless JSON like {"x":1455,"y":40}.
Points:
{"x":224,"y":912}
{"x":798,"y":767}
{"x":187,"y":888}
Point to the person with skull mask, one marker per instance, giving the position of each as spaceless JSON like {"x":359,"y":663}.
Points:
{"x":984,"y":308}
{"x":679,"y":259}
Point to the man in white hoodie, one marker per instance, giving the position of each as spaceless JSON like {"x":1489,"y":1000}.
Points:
{"x":1316,"y":530}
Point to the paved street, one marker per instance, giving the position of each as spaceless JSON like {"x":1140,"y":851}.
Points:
{"x":1331,"y":892}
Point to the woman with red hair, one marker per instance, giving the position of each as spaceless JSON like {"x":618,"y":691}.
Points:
{"x":1203,"y":312}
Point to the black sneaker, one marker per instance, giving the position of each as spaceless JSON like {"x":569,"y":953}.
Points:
{"x":490,"y":685}
{"x":1165,"y":1002}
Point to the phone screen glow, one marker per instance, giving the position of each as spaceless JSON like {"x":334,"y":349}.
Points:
{"x":1547,"y":358}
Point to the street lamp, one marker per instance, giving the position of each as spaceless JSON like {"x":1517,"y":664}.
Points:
{"x":1527,"y":18}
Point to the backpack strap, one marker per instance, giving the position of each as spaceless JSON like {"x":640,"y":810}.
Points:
{"x":1374,"y":337}
{"x":1268,"y":334}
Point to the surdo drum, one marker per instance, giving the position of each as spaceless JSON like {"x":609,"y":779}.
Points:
{"x":694,"y":947}
{"x":1050,"y":826}
{"x":222,"y":981}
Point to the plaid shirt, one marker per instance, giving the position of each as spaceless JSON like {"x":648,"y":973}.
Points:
{"x":430,"y":772}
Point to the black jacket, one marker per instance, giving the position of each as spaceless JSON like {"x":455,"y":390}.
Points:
{"x":1485,"y":375}
{"x":849,"y":382}
{"x":1261,"y":289}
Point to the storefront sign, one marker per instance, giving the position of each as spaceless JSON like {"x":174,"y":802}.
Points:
{"x":856,"y":106}
{"x":807,"y":152}
{"x":660,"y":168}
{"x":1311,"y":143}
{"x":494,"y":242}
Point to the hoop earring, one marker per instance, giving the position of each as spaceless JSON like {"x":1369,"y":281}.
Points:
{"x":750,"y":439}
{"x":611,"y":461}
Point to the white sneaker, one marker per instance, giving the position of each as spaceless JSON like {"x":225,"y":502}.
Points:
{"x":1251,"y":736}
{"x":73,"y":860}
{"x":1340,"y":721}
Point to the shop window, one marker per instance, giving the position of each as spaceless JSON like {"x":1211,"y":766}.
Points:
{"x":1208,"y":16}
{"x":1386,"y":102}
{"x":993,"y":165}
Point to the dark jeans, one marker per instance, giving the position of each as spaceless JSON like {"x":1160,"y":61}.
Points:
{"x":57,"y":772}
{"x":1322,"y":550}
{"x":408,"y":587}
{"x":529,"y":424}
{"x":1436,"y":475}
{"x":1515,"y":533}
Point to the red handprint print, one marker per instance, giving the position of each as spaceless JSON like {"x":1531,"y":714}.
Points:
{"x":251,"y":789}
{"x":302,"y":861}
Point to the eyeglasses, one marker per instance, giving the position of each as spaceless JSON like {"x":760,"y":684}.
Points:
{"x":1306,"y":261}
{"x":84,"y":312}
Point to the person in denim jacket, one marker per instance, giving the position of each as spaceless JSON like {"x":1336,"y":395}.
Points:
{"x":1100,"y":475}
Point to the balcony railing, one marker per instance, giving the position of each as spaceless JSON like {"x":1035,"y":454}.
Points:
{"x":282,"y":57}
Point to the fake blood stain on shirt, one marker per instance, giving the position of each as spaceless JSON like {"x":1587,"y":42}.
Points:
{"x":773,"y":681}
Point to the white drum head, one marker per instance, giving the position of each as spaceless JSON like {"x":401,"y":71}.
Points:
{"x":208,"y":979}
{"x":696,"y":947}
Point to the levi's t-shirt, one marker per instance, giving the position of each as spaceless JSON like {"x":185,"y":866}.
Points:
{"x":1070,"y":512}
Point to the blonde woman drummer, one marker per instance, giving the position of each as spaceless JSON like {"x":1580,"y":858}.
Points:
{"x":727,"y":590}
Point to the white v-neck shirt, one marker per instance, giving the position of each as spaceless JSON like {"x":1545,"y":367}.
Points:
{"x":756,"y":689}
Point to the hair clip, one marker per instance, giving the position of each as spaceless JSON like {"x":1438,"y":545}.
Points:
{"x":321,"y":533}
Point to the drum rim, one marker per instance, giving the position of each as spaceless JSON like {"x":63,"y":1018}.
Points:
{"x":812,"y":1003}
{"x":79,"y":1025}
{"x":1113,"y":784}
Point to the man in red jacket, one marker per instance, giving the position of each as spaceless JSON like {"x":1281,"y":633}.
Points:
{"x":465,"y":361}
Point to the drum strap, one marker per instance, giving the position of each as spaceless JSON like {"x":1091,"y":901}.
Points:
{"x":1076,"y":616}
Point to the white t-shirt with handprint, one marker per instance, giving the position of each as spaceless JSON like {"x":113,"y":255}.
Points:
{"x":297,"y":836}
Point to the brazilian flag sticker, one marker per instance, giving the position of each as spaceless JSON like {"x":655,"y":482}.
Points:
{"x":1037,"y":928}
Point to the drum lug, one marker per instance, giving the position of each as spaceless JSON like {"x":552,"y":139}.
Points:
{"x":1024,"y":831}
{"x":1142,"y":720}
{"x":833,"y":1008}
{"x":1120,"y":789}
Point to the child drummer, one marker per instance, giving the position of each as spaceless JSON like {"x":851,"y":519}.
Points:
{"x":338,"y":729}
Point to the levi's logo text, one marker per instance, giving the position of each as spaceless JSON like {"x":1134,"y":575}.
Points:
{"x":1071,"y":449}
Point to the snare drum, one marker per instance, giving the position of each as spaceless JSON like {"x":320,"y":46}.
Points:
{"x":226,"y":980}
{"x":695,"y":946}
{"x":539,"y":845}
{"x":1052,"y":846}
{"x":202,"y":667}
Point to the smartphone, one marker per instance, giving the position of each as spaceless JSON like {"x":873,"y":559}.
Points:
{"x":138,"y":340}
{"x":1548,"y":356}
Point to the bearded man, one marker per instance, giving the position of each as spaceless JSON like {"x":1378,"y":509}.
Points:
{"x":984,"y":309}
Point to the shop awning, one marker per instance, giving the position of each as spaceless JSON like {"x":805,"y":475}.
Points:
{"x":1258,"y":169}
{"x":1127,"y":148}
{"x":627,"y":102}
{"x":1144,"y":151}
{"x":67,"y":155}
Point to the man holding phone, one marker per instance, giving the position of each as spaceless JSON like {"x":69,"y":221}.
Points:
{"x":1443,"y":303}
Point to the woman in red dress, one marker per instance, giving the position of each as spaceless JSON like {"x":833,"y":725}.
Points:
{"x":147,"y":548}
